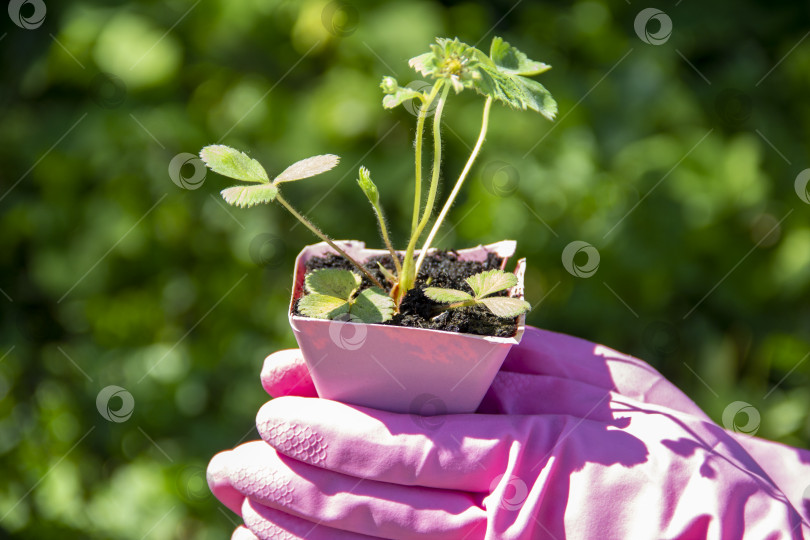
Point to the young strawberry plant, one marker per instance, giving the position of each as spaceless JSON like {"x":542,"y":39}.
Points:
{"x":502,"y":75}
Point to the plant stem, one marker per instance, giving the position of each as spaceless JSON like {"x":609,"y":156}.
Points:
{"x":464,"y":303}
{"x":455,"y":305}
{"x":408,"y":274}
{"x":384,"y":231}
{"x":437,"y":161}
{"x":420,"y":129}
{"x":315,"y":230}
{"x":452,"y":197}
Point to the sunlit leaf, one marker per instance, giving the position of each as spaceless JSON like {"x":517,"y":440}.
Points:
{"x":506,"y":307}
{"x":424,"y":64}
{"x":491,"y":281}
{"x":510,"y":60}
{"x":321,"y":306}
{"x":499,"y":86}
{"x":308,"y":167}
{"x":373,"y":306}
{"x":246,"y":196}
{"x":516,"y":91}
{"x":232,"y":163}
{"x":401,"y":94}
{"x":333,"y":282}
{"x":537,"y":98}
{"x":446,"y":296}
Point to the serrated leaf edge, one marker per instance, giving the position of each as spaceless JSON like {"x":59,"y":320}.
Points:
{"x":483,"y":276}
{"x":308,"y":286}
{"x":506,"y":299}
{"x":434,"y":294}
{"x":206,"y":158}
{"x":246,"y":189}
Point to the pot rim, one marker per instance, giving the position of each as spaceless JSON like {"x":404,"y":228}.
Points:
{"x":504,"y":248}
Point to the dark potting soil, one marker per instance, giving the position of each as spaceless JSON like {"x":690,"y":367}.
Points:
{"x":443,"y":269}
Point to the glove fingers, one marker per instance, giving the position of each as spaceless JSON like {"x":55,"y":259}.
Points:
{"x":219,"y":482}
{"x":457,"y":451}
{"x":271,"y":524}
{"x":343,"y":502}
{"x":285,"y":374}
{"x":542,"y":352}
{"x":242,"y":533}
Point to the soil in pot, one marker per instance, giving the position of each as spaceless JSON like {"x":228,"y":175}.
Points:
{"x":439,"y":269}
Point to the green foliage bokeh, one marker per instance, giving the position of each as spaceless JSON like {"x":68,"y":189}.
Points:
{"x":679,"y":162}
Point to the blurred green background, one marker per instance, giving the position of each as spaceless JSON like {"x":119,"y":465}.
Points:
{"x":676,"y":156}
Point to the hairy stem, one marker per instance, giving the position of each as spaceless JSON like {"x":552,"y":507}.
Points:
{"x":420,"y":129}
{"x":317,"y":232}
{"x":452,"y":197}
{"x":437,"y":161}
{"x":384,"y":231}
{"x":408,"y":275}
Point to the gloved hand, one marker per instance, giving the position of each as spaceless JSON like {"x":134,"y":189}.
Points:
{"x":573,"y":440}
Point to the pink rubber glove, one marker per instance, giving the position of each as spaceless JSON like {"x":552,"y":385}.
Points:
{"x":573,"y":440}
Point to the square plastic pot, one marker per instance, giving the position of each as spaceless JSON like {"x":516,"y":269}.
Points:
{"x":396,"y":368}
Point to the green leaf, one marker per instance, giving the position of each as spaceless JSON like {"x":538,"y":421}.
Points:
{"x":373,"y":305}
{"x":424,"y":64}
{"x":246,"y":196}
{"x":510,"y":60}
{"x":368,"y":187}
{"x":308,"y":167}
{"x":514,"y":90}
{"x":500,"y":86}
{"x":333,"y":282}
{"x":506,"y":307}
{"x":537,"y":98}
{"x":446,"y":296}
{"x":402,"y":93}
{"x":232,"y":163}
{"x":322,"y":306}
{"x":491,"y":281}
